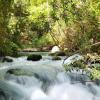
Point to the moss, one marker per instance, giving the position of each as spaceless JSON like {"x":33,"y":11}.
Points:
{"x":18,"y":72}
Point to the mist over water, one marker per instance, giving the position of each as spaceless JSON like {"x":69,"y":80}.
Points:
{"x":47,"y":81}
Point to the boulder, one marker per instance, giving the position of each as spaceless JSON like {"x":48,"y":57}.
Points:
{"x":74,"y":62}
{"x":57,"y":52}
{"x":73,"y":59}
{"x":34,"y":57}
{"x":55,"y":49}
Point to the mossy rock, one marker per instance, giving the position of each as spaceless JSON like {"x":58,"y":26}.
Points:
{"x":56,"y":58}
{"x":58,"y":54}
{"x":90,"y":64}
{"x":34,"y":57}
{"x":18,"y":72}
{"x":80,"y":64}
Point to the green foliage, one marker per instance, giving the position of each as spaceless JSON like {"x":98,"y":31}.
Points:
{"x":90,"y":64}
{"x":95,"y":74}
{"x":9,"y":48}
{"x":78,"y":64}
{"x":5,"y":13}
{"x":37,"y":2}
{"x":81,"y":19}
{"x":39,"y":20}
{"x":43,"y":41}
{"x":11,"y":25}
{"x":73,"y":24}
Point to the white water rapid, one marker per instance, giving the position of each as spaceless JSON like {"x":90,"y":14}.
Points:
{"x":44,"y":80}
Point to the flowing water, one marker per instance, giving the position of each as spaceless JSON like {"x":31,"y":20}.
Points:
{"x":44,"y":80}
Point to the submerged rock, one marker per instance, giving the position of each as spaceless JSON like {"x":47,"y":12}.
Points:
{"x":56,"y":58}
{"x":61,"y":53}
{"x":19,"y":72}
{"x":34,"y":57}
{"x":7,"y":59}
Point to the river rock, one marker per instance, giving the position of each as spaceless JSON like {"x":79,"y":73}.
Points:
{"x":34,"y":57}
{"x":7,"y":59}
{"x":18,"y":72}
{"x":55,"y":49}
{"x":57,"y":52}
{"x":73,"y":59}
{"x":61,"y":53}
{"x":56,"y":58}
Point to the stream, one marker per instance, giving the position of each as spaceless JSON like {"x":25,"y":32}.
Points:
{"x":44,"y":80}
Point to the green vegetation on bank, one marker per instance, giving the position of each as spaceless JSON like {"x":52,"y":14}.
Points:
{"x":89,"y":63}
{"x":71,"y":24}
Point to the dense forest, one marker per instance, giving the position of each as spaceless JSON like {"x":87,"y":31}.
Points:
{"x":73,"y":25}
